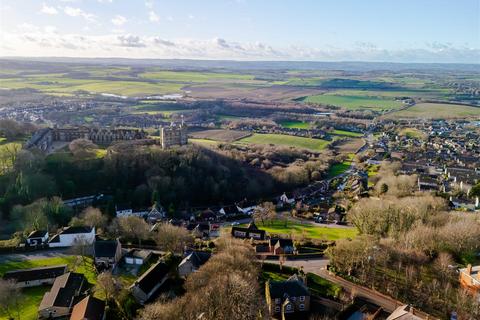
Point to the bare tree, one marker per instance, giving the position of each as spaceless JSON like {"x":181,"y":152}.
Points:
{"x":171,"y":238}
{"x":93,"y":217}
{"x":82,"y":148}
{"x":106,"y":285}
{"x":133,"y":227}
{"x":265,"y":212}
{"x":9,"y":298}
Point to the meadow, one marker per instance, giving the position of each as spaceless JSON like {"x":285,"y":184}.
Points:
{"x":307,"y":230}
{"x":437,"y":111}
{"x":295,"y":124}
{"x":347,"y":133}
{"x":286,"y":140}
{"x":354,"y":102}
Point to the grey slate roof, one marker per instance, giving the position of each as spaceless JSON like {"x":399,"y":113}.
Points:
{"x":293,"y":287}
{"x":152,"y":277}
{"x":63,"y":291}
{"x":105,"y":248}
{"x":35,"y":273}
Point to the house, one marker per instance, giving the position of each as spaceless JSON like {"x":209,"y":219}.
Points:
{"x":289,"y":297}
{"x":126,"y":211}
{"x":156,"y":213}
{"x":281,"y":246}
{"x":37,"y":238}
{"x":470,"y":279}
{"x":137,"y":256}
{"x":192,"y":262}
{"x":250,"y":232}
{"x":90,"y":308}
{"x":69,"y":236}
{"x":145,"y":286}
{"x":107,"y":253}
{"x":229,"y":211}
{"x":65,"y":292}
{"x":35,"y":276}
{"x":404,"y":313}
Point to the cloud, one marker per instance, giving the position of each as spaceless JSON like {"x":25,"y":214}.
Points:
{"x":149,"y":4}
{"x":119,"y":20}
{"x":77,"y":12}
{"x":130,"y":41}
{"x":48,"y":10}
{"x":47,"y":41}
{"x":153,"y":17}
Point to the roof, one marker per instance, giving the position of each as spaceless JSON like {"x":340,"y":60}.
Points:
{"x":73,"y":230}
{"x":292,"y":287}
{"x":136,"y":253}
{"x":197,"y":258}
{"x":35,"y":273}
{"x":63,"y":290}
{"x":474,"y":274}
{"x":281,"y":242}
{"x":37,"y":234}
{"x":152,"y":277}
{"x":403,"y":313}
{"x":106,"y":248}
{"x":90,"y":308}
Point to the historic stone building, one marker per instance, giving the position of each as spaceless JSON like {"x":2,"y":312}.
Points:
{"x":43,"y":139}
{"x":173,"y":135}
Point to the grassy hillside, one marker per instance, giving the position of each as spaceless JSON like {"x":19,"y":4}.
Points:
{"x":285,"y":140}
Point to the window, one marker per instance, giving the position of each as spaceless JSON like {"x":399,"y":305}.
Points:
{"x":301,"y":307}
{"x":293,"y":299}
{"x":288,"y":307}
{"x":302,"y":298}
{"x":277,"y":309}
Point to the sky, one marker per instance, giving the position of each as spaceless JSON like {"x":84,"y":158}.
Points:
{"x":445,"y":31}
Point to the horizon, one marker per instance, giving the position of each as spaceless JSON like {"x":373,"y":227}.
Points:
{"x":244,"y":30}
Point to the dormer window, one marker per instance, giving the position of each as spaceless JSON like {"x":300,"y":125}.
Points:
{"x":302,"y":298}
{"x":288,"y":307}
{"x":301,"y":307}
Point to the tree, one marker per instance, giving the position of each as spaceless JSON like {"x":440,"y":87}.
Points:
{"x":93,"y":217}
{"x":9,"y":298}
{"x":82,"y":249}
{"x":265,"y":212}
{"x":82,"y":148}
{"x":106,"y":285}
{"x":171,"y":238}
{"x":133,"y":227}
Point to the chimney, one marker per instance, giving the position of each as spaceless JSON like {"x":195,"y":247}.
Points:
{"x":477,"y":202}
{"x":469,"y":269}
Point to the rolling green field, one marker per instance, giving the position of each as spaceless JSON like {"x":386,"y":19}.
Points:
{"x":285,"y":140}
{"x":294,"y":124}
{"x":31,"y":297}
{"x":354,"y":102}
{"x":194,"y":76}
{"x":346,"y":133}
{"x":307,"y":229}
{"x":437,"y":111}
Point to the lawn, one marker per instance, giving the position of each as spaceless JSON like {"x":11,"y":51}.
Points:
{"x":286,"y":140}
{"x":437,"y":111}
{"x":309,"y":230}
{"x":347,"y":133}
{"x":294,"y":124}
{"x":31,"y":297}
{"x":338,"y":168}
{"x":354,"y":102}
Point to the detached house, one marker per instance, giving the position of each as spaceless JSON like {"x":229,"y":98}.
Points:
{"x":281,"y":246}
{"x":65,"y":292}
{"x":250,"y":232}
{"x":37,"y":238}
{"x":145,"y":286}
{"x":289,"y":297}
{"x":192,"y":262}
{"x":69,"y":236}
{"x":107,"y":253}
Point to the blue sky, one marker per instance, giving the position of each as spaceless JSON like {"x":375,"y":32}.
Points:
{"x":373,"y":30}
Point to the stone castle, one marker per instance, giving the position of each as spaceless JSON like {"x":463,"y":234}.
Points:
{"x":44,"y":138}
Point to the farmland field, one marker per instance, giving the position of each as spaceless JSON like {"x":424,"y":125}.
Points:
{"x":437,"y":110}
{"x":219,"y":135}
{"x":309,"y":230}
{"x":293,"y":124}
{"x":347,"y":133}
{"x":286,"y":140}
{"x":355,"y":102}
